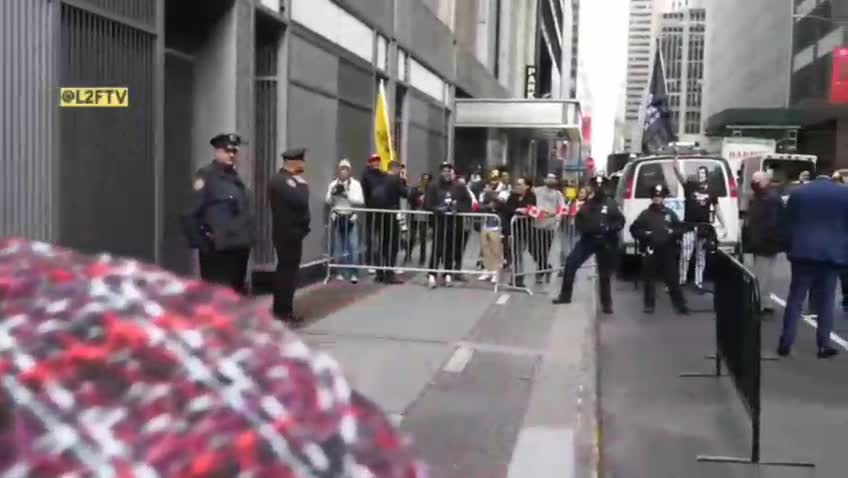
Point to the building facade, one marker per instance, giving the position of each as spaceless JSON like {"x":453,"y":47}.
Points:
{"x":640,"y":51}
{"x":281,"y":73}
{"x":682,"y":43}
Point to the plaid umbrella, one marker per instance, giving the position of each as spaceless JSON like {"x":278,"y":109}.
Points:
{"x":112,"y":368}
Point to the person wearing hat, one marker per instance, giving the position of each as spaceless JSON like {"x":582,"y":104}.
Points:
{"x":658,"y":229}
{"x":445,"y":198}
{"x":345,"y":193}
{"x":598,"y":222}
{"x":386,"y":194}
{"x":220,"y":223}
{"x":288,"y":195}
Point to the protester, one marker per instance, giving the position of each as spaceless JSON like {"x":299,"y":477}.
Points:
{"x":817,"y":231}
{"x":420,"y":222}
{"x":550,"y":203}
{"x":122,"y":369}
{"x":491,"y":236}
{"x":386,"y":194}
{"x":521,"y":199}
{"x":657,"y":229}
{"x":598,"y":222}
{"x":371,"y":176}
{"x":763,"y":233}
{"x":445,"y":198}
{"x":345,"y":193}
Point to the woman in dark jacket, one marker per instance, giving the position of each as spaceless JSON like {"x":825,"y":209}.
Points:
{"x":519,"y":203}
{"x":763,"y":233}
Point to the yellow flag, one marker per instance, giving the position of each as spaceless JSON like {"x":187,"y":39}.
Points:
{"x":383,"y":130}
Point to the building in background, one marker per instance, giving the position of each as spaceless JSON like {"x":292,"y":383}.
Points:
{"x":779,"y":73}
{"x":281,"y":73}
{"x":681,"y":41}
{"x":640,"y":49}
{"x":574,"y":64}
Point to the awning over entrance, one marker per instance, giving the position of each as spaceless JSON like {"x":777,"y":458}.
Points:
{"x":529,"y":118}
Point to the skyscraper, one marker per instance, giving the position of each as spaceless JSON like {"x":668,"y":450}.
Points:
{"x":639,"y":49}
{"x":681,"y":42}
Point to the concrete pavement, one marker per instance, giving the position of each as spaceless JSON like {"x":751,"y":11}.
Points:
{"x":488,"y":385}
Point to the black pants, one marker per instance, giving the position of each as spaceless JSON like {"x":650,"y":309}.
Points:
{"x":605,"y":258}
{"x":387,"y":232}
{"x":227,"y":268}
{"x":447,"y":230}
{"x":459,"y":252}
{"x":417,"y":236}
{"x":663,"y":262}
{"x":540,"y":248}
{"x":285,"y":279}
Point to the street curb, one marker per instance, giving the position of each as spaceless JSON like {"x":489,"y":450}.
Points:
{"x":587,"y":443}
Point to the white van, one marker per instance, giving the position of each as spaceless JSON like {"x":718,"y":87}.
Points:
{"x":784,"y":169}
{"x":640,"y":175}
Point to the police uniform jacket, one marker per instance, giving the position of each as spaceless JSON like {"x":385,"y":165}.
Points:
{"x":221,"y":216}
{"x":289,"y":198}
{"x":600,"y":219}
{"x":656,"y":226}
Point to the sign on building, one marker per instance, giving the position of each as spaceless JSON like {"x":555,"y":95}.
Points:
{"x":530,"y":85}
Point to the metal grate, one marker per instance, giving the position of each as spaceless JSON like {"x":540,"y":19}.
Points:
{"x":106,"y":187}
{"x":139,"y":10}
{"x":266,"y":145}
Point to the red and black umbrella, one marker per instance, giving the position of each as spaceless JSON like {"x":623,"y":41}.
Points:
{"x":113,"y":368}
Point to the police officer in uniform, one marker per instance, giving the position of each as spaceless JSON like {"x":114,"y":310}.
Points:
{"x":288,"y":194}
{"x":658,"y":230}
{"x":598,"y":222}
{"x":220,"y":221}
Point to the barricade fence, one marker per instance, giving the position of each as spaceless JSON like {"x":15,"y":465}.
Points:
{"x":389,"y":241}
{"x":738,"y":337}
{"x":539,"y":246}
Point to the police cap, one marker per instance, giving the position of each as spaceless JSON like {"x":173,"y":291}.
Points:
{"x":295,"y":153}
{"x":659,"y":190}
{"x":226,"y":140}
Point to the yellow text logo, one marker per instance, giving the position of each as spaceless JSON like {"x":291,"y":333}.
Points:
{"x":102,"y":97}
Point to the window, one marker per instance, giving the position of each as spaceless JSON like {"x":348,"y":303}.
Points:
{"x":651,"y":173}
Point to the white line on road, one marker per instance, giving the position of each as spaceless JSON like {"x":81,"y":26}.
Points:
{"x":503,"y":299}
{"x":459,"y":360}
{"x":811,"y":321}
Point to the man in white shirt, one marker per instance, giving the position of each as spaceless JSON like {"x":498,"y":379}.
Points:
{"x":345,"y":193}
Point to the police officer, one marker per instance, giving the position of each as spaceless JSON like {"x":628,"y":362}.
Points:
{"x":220,"y":221}
{"x":598,"y":222}
{"x":658,"y":230}
{"x":288,"y":194}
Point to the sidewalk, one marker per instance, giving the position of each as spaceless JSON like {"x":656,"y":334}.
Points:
{"x":489,"y":385}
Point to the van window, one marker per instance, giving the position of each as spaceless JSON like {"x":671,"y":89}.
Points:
{"x":787,"y":170}
{"x":661,"y":172}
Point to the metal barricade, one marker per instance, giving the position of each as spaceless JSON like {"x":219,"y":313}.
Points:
{"x":543,"y":243}
{"x":394,"y":242}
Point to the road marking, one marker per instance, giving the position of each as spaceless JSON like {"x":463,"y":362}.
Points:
{"x":503,"y":299}
{"x":459,"y":360}
{"x":811,"y":321}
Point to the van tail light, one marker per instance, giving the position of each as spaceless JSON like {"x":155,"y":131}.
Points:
{"x":734,"y":190}
{"x":629,"y":192}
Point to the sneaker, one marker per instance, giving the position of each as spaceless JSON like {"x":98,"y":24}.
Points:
{"x":399,"y":271}
{"x":431,"y":282}
{"x":484,"y":277}
{"x":494,"y":278}
{"x":448,"y":280}
{"x":340,"y":277}
{"x":354,"y":280}
{"x":372,"y":271}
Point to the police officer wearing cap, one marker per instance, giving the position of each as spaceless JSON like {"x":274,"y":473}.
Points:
{"x":220,"y":221}
{"x":598,"y":222}
{"x":658,"y":229}
{"x":288,"y":194}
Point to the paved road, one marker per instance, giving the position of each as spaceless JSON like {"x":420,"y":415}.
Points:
{"x":488,"y":385}
{"x":655,"y":423}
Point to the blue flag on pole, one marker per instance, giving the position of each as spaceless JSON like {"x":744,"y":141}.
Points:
{"x":657,"y":131}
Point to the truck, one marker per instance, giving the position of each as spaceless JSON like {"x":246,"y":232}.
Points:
{"x":736,"y":148}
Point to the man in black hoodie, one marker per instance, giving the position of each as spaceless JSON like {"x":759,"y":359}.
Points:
{"x":445,"y":198}
{"x":386,"y":194}
{"x":598,"y":222}
{"x":657,"y":229}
